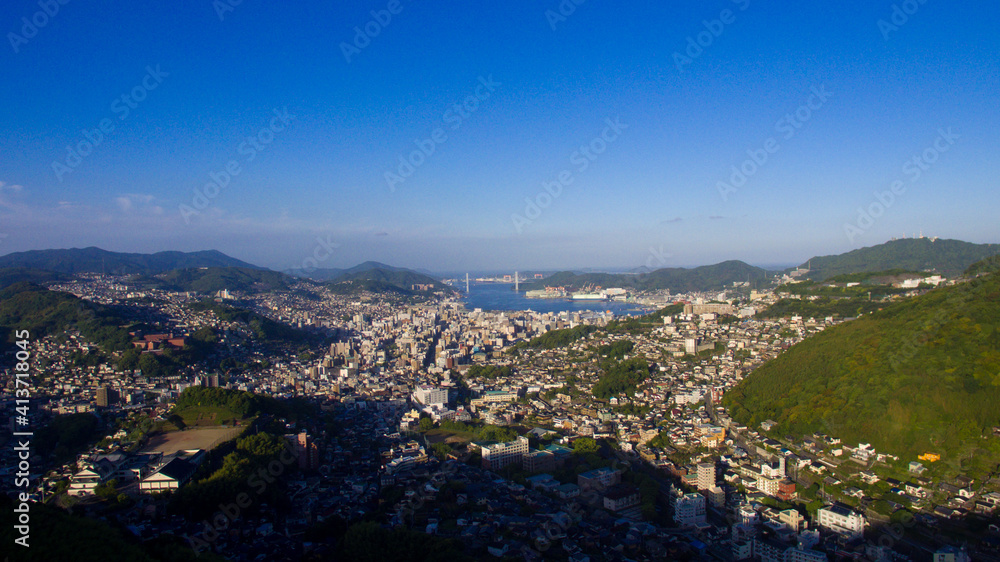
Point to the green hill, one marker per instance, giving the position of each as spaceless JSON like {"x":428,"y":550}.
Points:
{"x":331,"y":274}
{"x":704,"y":278}
{"x":264,"y":329}
{"x":213,"y":279}
{"x":26,"y":306}
{"x":676,"y":279}
{"x":989,"y":265}
{"x":367,"y":286}
{"x":13,"y":275}
{"x":947,"y":257}
{"x":918,"y":376}
{"x":384,"y":280}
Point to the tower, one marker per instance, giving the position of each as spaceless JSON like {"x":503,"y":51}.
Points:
{"x":706,"y":475}
{"x":515,"y":282}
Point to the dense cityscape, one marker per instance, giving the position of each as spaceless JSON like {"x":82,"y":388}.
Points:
{"x":331,"y":419}
{"x":582,"y":281}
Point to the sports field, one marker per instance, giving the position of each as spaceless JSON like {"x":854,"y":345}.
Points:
{"x":199,"y":438}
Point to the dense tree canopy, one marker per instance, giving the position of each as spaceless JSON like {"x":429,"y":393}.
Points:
{"x":621,"y":378}
{"x":919,"y":376}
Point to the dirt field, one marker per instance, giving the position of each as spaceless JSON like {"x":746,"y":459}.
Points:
{"x":200,"y":438}
{"x":449,"y":437}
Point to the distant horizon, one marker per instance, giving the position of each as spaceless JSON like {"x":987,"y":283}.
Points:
{"x":480,"y":272}
{"x":652,"y":258}
{"x":440,"y":272}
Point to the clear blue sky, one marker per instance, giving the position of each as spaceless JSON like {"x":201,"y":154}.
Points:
{"x":202,"y":84}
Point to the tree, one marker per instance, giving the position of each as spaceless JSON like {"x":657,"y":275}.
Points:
{"x":129,"y":360}
{"x":441,"y":450}
{"x":426,"y":424}
{"x":584,"y":446}
{"x":177,"y":421}
{"x":205,"y":334}
{"x":496,"y":433}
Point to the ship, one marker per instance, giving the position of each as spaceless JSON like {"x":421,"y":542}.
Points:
{"x":546,"y":293}
{"x":589,"y":293}
{"x":589,"y":297}
{"x":539,"y":294}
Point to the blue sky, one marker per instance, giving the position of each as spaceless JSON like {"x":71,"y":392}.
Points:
{"x":204,"y":92}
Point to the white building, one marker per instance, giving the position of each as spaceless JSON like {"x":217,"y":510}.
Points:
{"x":689,"y":397}
{"x":499,"y":455}
{"x":774,"y":470}
{"x":83,"y":482}
{"x":171,"y":476}
{"x":430,"y":396}
{"x":747,"y":515}
{"x":771,"y":550}
{"x":689,"y":510}
{"x":842,"y":520}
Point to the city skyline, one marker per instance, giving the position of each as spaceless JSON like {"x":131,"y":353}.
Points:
{"x":560,"y":136}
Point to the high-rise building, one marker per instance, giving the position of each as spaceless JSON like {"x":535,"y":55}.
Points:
{"x":106,"y":396}
{"x":306,"y":452}
{"x":706,"y":475}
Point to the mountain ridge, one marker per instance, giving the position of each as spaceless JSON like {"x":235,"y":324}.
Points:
{"x":944,"y":256}
{"x":676,"y":279}
{"x":96,"y":260}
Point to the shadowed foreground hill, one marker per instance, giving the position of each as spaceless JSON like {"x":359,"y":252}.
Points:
{"x":919,"y":376}
{"x":57,"y":535}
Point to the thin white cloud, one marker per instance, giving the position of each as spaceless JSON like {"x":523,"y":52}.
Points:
{"x":140,"y":203}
